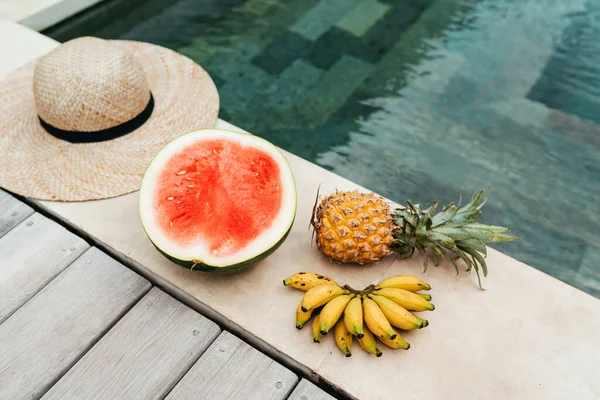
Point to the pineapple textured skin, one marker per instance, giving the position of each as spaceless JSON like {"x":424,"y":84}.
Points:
{"x":353,"y":227}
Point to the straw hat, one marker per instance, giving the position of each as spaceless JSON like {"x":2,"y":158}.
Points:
{"x":84,"y":121}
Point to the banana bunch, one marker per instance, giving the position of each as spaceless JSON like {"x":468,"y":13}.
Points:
{"x":377,"y":312}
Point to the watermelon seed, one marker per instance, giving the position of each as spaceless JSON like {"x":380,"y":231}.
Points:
{"x":177,"y":183}
{"x":171,"y":223}
{"x":191,"y":186}
{"x":170,"y":198}
{"x":182,"y":172}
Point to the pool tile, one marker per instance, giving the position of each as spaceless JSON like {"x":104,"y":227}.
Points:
{"x":241,"y":85}
{"x":309,"y":141}
{"x":574,"y":127}
{"x":587,"y":277}
{"x":99,"y":20}
{"x":373,"y":46}
{"x":362,"y":17}
{"x":559,"y":86}
{"x":396,"y":66}
{"x":286,"y":13}
{"x":399,"y":18}
{"x":282,"y":52}
{"x":534,"y":114}
{"x":329,"y":48}
{"x":334,"y":88}
{"x":322,"y":17}
{"x":298,"y":78}
{"x":198,"y":50}
{"x":260,"y":7}
{"x":355,"y":107}
{"x":179,"y":23}
{"x":544,"y":246}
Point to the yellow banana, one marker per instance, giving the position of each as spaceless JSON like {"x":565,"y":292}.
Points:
{"x":425,"y":296}
{"x":398,"y":315}
{"x":353,"y":317}
{"x":343,"y":338}
{"x":320,"y":295}
{"x":301,"y":316}
{"x":315,"y":329}
{"x":397,"y":343}
{"x":332,"y":312}
{"x":375,"y":319}
{"x":368,"y":343}
{"x":406,"y":282}
{"x":306,"y":280}
{"x":409,"y":300}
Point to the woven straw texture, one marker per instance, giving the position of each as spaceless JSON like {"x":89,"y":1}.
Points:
{"x":35,"y":164}
{"x":89,"y":84}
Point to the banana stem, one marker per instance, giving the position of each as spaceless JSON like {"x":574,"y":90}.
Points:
{"x":368,"y":290}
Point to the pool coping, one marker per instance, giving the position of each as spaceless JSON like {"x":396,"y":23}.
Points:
{"x":41,"y":14}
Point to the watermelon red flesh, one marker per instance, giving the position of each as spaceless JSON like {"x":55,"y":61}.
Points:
{"x":218,"y":192}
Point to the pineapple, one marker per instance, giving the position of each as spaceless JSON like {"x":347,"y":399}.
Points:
{"x":361,"y":228}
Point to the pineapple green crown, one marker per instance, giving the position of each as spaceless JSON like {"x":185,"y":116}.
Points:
{"x":451,"y":231}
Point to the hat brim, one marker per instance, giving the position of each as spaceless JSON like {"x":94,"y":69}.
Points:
{"x":35,"y":164}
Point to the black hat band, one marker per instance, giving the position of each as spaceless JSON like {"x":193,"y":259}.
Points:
{"x":102,"y":135}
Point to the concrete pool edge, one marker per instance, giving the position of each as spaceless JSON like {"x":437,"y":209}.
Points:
{"x":40,"y":15}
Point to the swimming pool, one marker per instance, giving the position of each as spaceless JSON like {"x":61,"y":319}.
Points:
{"x":414,"y":99}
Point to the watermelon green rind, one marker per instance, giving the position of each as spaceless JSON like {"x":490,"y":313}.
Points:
{"x":199,"y":265}
{"x":231,"y":269}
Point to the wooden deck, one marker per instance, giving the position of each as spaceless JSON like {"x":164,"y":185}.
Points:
{"x":76,"y":324}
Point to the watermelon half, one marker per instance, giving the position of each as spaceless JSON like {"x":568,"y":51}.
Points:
{"x":217,"y":200}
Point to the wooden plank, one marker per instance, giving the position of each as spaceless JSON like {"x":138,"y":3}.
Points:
{"x":231,"y":369}
{"x":47,"y":335}
{"x":12,"y":212}
{"x":31,"y":255}
{"x":308,"y":391}
{"x":143,"y":356}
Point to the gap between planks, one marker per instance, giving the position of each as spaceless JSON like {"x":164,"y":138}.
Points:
{"x":144,"y":355}
{"x":57,"y":337}
{"x":12,"y":212}
{"x":231,"y":368}
{"x":33,"y":253}
{"x":305,"y":390}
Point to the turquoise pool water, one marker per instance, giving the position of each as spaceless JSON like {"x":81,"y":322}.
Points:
{"x":414,"y":99}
